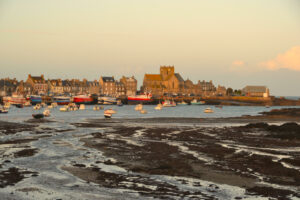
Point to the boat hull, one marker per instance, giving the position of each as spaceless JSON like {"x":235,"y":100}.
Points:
{"x":82,"y":100}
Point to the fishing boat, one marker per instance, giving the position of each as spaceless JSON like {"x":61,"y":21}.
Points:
{"x":208,"y":110}
{"x":27,"y":104}
{"x":3,"y":110}
{"x":168,"y":103}
{"x":143,"y":112}
{"x":82,"y":107}
{"x":64,"y":109}
{"x":107,"y":100}
{"x":183,"y":103}
{"x":46,"y":113}
{"x":195,"y":102}
{"x":14,"y":99}
{"x":62,"y":100}
{"x":119,"y":103}
{"x":35,"y":99}
{"x":37,"y":116}
{"x":37,"y":107}
{"x":139,"y":107}
{"x":141,"y":98}
{"x":110,"y":111}
{"x":159,"y":106}
{"x":82,"y":99}
{"x":107,"y":114}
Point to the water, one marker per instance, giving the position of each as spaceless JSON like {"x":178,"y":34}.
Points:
{"x":128,"y":111}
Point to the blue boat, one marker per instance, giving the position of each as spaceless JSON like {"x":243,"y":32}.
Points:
{"x":35,"y":99}
{"x":62,"y":100}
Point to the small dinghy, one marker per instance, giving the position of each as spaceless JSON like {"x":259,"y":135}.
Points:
{"x":37,"y":116}
{"x":107,"y":114}
{"x":46,"y":113}
{"x":3,"y":111}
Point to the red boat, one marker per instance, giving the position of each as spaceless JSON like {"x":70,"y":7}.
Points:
{"x":15,"y":100}
{"x":83,"y":99}
{"x":142,"y":97}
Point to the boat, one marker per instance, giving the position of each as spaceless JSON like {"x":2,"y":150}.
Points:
{"x":107,"y":114}
{"x":6,"y":106}
{"x":119,"y":103}
{"x":64,"y":109}
{"x":96,"y":108}
{"x":35,"y":99}
{"x":27,"y":104}
{"x":83,"y":99}
{"x":110,"y":111}
{"x":159,"y":106}
{"x":54,"y":104}
{"x":14,"y":99}
{"x":143,"y":112}
{"x":37,"y":116}
{"x":142,"y":98}
{"x":19,"y":105}
{"x":107,"y":100}
{"x":195,"y":102}
{"x":183,"y":103}
{"x":82,"y":107}
{"x":208,"y":110}
{"x":46,"y":113}
{"x":37,"y":107}
{"x":62,"y":100}
{"x":139,"y":107}
{"x":168,"y":103}
{"x":219,"y":106}
{"x":3,"y":110}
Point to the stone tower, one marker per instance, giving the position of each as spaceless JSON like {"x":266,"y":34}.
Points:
{"x":166,"y":71}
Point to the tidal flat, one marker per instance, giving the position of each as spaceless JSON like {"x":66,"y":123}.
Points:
{"x":249,"y":157}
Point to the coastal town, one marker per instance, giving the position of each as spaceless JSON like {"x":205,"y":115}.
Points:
{"x":167,"y":84}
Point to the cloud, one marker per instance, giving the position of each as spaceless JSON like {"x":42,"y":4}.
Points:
{"x":237,"y":65}
{"x":288,"y":60}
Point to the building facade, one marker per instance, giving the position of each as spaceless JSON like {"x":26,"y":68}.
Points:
{"x":256,"y":91}
{"x":130,"y":84}
{"x":38,"y":83}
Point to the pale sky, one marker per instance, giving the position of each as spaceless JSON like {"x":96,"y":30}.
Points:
{"x":231,"y":42}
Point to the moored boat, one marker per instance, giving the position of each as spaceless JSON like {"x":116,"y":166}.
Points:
{"x":14,"y":99}
{"x":35,"y":99}
{"x":168,"y":103}
{"x":107,"y":100}
{"x":208,"y":110}
{"x":195,"y":102}
{"x":83,"y":99}
{"x":183,"y":103}
{"x":142,"y":98}
{"x":37,"y":116}
{"x":62,"y":100}
{"x":3,"y":110}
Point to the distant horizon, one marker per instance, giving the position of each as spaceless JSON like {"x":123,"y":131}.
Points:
{"x":233,"y":43}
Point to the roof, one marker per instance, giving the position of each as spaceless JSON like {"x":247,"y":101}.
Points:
{"x":108,"y":79}
{"x":37,"y":79}
{"x":178,"y":76}
{"x":152,"y":77}
{"x":261,"y":89}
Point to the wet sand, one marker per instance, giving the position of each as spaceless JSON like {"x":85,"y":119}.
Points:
{"x":164,"y":158}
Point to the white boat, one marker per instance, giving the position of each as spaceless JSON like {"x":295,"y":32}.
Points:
{"x":143,"y":112}
{"x":6,"y":106}
{"x":139,"y":107}
{"x":168,"y":103}
{"x":183,"y":103}
{"x":159,"y":106}
{"x":107,"y":100}
{"x":14,"y":99}
{"x":54,"y":104}
{"x":195,"y":102}
{"x":96,"y":108}
{"x":3,"y":110}
{"x":37,"y":107}
{"x":46,"y":113}
{"x":27,"y":104}
{"x":110,"y":111}
{"x":208,"y":110}
{"x":64,"y":109}
{"x":81,"y":107}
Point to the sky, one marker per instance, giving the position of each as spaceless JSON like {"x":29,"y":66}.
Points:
{"x":231,"y":42}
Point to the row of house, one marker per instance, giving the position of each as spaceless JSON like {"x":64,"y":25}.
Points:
{"x":38,"y":85}
{"x":166,"y":82}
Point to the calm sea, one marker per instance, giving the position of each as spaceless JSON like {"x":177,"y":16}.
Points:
{"x":128,"y":111}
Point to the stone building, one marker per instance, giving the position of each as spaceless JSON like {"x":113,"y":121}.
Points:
{"x":24,"y":89}
{"x":256,"y":91}
{"x":107,"y":85}
{"x":172,"y":83}
{"x":120,"y":89}
{"x":166,"y":82}
{"x":8,"y":86}
{"x":55,"y":86}
{"x":130,"y":84}
{"x":93,"y":87}
{"x":38,"y":83}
